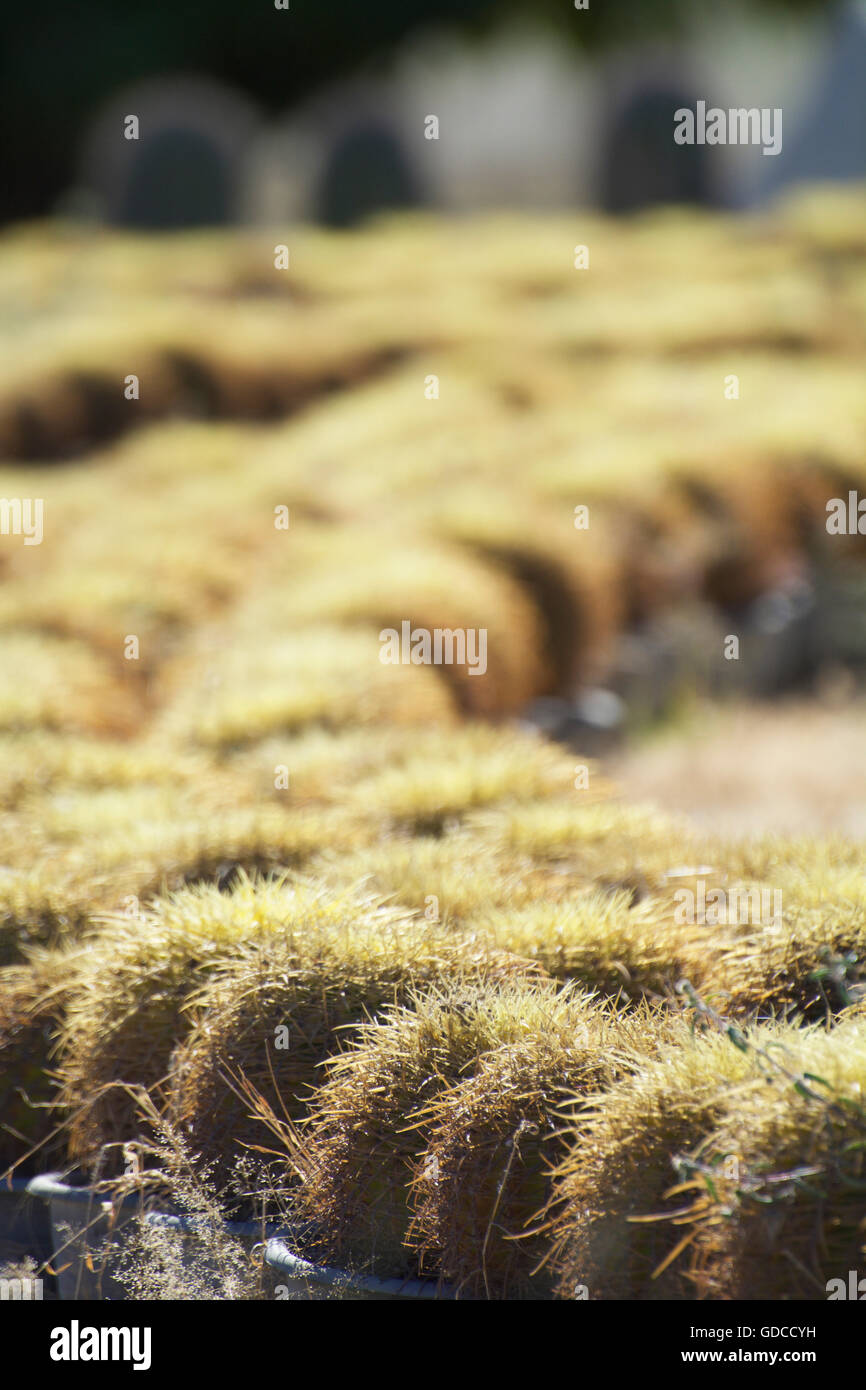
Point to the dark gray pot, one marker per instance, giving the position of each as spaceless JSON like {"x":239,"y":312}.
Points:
{"x":299,"y":1279}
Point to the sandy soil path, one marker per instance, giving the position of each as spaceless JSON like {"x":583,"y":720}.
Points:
{"x":792,"y":768}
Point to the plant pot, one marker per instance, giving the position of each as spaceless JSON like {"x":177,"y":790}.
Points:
{"x":82,"y":1221}
{"x":297,"y":1278}
{"x":24,"y":1225}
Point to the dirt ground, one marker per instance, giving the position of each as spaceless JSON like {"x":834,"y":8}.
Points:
{"x":793,"y":768}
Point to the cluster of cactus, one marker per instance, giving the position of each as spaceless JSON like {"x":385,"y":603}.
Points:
{"x":352,"y":913}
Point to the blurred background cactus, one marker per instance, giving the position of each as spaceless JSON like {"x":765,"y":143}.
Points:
{"x":320,"y":110}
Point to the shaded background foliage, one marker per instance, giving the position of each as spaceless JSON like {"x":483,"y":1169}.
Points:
{"x":58,"y":64}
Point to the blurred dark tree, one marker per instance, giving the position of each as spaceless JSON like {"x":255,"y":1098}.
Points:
{"x":58,"y":63}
